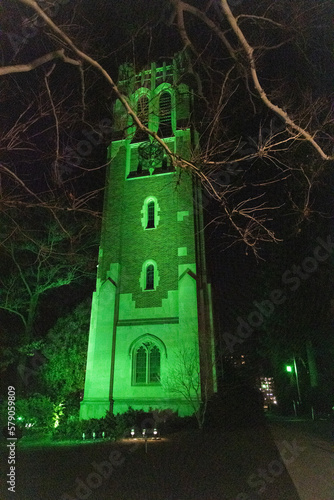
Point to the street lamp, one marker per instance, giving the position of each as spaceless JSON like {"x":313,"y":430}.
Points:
{"x":297,"y":378}
{"x":293,"y":369}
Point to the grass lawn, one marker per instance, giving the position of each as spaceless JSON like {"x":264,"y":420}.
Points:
{"x":184,"y":466}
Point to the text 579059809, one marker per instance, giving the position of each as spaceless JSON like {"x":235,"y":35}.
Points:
{"x":11,"y":445}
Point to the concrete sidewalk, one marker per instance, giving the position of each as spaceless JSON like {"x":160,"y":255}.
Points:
{"x":312,"y":471}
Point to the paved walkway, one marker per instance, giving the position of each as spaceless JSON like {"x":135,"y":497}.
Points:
{"x":312,"y":467}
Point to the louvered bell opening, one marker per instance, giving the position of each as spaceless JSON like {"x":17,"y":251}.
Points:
{"x":165,"y":115}
{"x":142,"y":113}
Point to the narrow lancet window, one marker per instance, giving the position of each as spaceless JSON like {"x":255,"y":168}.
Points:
{"x":150,"y":215}
{"x":149,"y":277}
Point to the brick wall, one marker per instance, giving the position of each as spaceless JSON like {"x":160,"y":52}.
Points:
{"x":124,"y":239}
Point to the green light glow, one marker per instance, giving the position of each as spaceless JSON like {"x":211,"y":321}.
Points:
{"x":147,"y":298}
{"x":289,"y":368}
{"x":57,"y":414}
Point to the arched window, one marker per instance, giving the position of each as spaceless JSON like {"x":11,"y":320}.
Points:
{"x":142,"y":110}
{"x":150,"y":215}
{"x":165,"y":115}
{"x":149,"y":277}
{"x":146,"y":364}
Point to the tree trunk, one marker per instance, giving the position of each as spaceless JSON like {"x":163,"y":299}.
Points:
{"x":24,"y":372}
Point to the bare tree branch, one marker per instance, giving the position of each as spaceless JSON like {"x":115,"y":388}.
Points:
{"x":85,"y":57}
{"x":224,"y":149}
{"x":249,"y":51}
{"x":291,"y":124}
{"x":51,"y":56}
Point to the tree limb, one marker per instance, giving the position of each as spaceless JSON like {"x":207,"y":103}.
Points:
{"x":22,"y":68}
{"x":249,"y":51}
{"x":14,"y":311}
{"x":292,"y":126}
{"x":85,"y":57}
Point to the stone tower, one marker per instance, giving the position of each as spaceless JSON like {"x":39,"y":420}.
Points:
{"x":151,"y":333}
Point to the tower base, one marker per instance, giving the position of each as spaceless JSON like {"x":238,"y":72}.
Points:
{"x":94,"y":408}
{"x":98,"y":408}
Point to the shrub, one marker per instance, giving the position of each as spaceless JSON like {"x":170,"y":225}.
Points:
{"x":132,"y":418}
{"x":120,"y":425}
{"x":71,"y":428}
{"x":175,"y":423}
{"x":35,"y":414}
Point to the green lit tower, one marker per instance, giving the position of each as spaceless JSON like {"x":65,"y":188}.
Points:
{"x":151,"y":332}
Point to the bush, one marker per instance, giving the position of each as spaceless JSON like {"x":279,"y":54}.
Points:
{"x":72,"y":405}
{"x":120,"y":425}
{"x":175,"y":423}
{"x":71,"y":428}
{"x":38,"y":416}
{"x":138,"y":419}
{"x":35,"y":414}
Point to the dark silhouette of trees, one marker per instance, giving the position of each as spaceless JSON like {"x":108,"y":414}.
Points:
{"x":39,"y":255}
{"x":65,"y":352}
